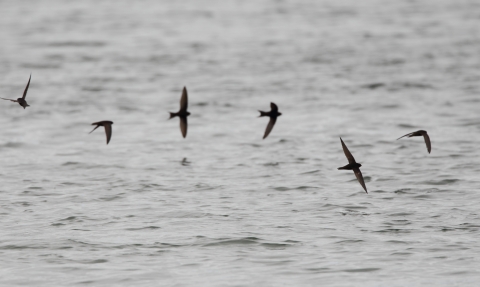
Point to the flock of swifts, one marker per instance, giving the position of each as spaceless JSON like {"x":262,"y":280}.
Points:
{"x":273,"y":114}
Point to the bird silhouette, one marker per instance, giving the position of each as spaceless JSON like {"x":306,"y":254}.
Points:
{"x":21,"y":101}
{"x":353,"y":165}
{"x":273,"y":114}
{"x":185,"y":162}
{"x":182,"y":113}
{"x":108,"y":128}
{"x":420,"y":133}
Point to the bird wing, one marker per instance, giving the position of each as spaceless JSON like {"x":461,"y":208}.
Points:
{"x":405,"y":135}
{"x":273,"y":107}
{"x":349,"y":156}
{"x":184,"y":100}
{"x":108,"y":132}
{"x":26,"y":88}
{"x":427,"y":142}
{"x":15,"y":101}
{"x":359,"y":176}
{"x":270,"y":125}
{"x":183,"y":126}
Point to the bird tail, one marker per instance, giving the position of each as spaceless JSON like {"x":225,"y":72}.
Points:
{"x":263,"y":114}
{"x":94,"y":128}
{"x":341,"y":168}
{"x":172,"y":115}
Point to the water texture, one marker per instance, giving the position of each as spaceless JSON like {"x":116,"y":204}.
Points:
{"x":224,"y":207}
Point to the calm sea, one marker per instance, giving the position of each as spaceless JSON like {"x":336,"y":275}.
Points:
{"x":224,"y":207}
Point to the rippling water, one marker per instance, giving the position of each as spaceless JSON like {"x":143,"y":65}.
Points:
{"x":224,"y":207}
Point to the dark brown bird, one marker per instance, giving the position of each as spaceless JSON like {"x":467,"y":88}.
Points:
{"x":273,"y":114}
{"x":420,"y":133}
{"x":353,"y":165}
{"x":185,"y":162}
{"x":21,"y":101}
{"x":182,"y":113}
{"x":108,"y":128}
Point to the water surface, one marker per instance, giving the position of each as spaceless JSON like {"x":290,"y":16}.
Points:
{"x":239,"y":210}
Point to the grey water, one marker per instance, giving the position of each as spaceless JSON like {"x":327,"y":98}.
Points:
{"x":224,"y":207}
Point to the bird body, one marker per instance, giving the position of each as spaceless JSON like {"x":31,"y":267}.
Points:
{"x":272,"y":114}
{"x":418,"y":134}
{"x":108,"y":128}
{"x":21,"y":101}
{"x":182,"y":113}
{"x":353,"y":165}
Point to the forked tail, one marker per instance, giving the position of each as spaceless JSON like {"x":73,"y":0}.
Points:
{"x":94,"y":128}
{"x":172,"y":115}
{"x":263,"y":114}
